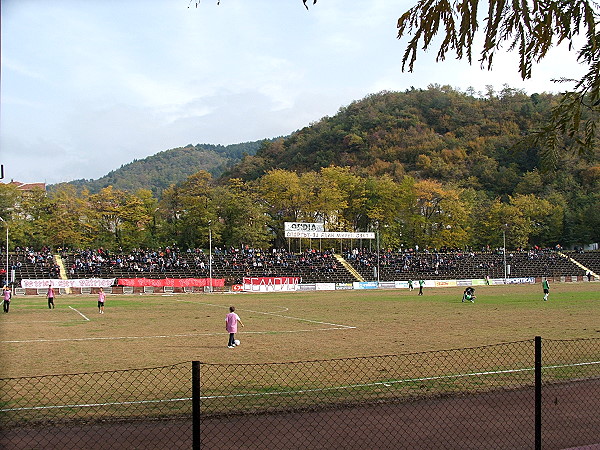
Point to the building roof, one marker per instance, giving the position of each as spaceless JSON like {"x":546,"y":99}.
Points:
{"x":28,"y":186}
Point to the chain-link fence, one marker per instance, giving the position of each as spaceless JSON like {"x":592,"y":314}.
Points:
{"x":512,"y":395}
{"x":140,"y":408}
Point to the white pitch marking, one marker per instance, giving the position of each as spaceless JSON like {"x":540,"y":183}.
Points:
{"x":165,"y":336}
{"x":79,"y":313}
{"x":280,"y":308}
{"x":333,"y":326}
{"x":43,"y":321}
{"x":95,"y":405}
{"x":301,"y":391}
{"x":337,"y":325}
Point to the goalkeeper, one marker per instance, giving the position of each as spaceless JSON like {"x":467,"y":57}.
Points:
{"x":469,"y":295}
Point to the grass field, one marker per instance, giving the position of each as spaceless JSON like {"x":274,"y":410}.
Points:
{"x":156,"y":330}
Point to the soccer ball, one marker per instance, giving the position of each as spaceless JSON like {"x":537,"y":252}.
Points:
{"x":236,"y":342}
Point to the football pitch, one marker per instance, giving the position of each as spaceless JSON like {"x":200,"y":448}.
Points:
{"x":154,"y":330}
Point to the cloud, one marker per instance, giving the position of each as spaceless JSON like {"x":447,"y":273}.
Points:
{"x":21,"y":69}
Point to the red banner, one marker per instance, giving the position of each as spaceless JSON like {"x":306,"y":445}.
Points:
{"x":175,"y":282}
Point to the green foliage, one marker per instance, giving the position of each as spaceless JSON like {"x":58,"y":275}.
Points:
{"x":531,"y":29}
{"x":163,"y":169}
{"x":242,"y":216}
{"x":434,"y":168}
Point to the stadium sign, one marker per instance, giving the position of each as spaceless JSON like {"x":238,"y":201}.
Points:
{"x":328,"y":235}
{"x":299,"y":226}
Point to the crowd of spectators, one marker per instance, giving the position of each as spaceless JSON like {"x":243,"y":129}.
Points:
{"x":241,"y":261}
{"x":101,"y":262}
{"x":406,"y":261}
{"x":273,"y":261}
{"x":38,"y":261}
{"x":406,"y":264}
{"x":233,"y":263}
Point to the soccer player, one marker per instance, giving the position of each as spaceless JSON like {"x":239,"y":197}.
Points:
{"x":546,"y":288}
{"x":101,"y":298}
{"x":231,"y":323}
{"x":469,"y":295}
{"x":50,"y":296}
{"x":6,"y":294}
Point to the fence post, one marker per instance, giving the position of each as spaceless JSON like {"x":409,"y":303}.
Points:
{"x":196,"y":405}
{"x":538,"y":392}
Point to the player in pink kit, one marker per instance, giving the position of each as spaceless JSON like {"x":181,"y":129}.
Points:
{"x":50,"y":297}
{"x":101,"y":298}
{"x":6,"y":294}
{"x":231,"y":325}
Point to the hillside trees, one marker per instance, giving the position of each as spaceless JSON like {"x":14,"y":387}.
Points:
{"x":159,"y":171}
{"x":436,"y":132}
{"x":241,"y":215}
{"x":121,"y":218}
{"x":192,"y":211}
{"x":531,"y":29}
{"x":443,"y":178}
{"x":410,"y":212}
{"x":30,"y":217}
{"x":70,"y":225}
{"x":9,"y":199}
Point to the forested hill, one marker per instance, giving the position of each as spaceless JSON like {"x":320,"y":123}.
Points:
{"x":438,"y":133}
{"x":437,"y":168}
{"x":159,"y":171}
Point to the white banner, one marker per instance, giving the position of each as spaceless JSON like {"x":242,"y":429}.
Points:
{"x":325,"y":286}
{"x":328,"y":235}
{"x":76,"y":283}
{"x":524,"y":280}
{"x":268,"y":284}
{"x":300,"y":226}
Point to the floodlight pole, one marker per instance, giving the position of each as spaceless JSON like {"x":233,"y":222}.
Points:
{"x":504,"y":252}
{"x":378,"y":266}
{"x":6,"y":249}
{"x":210,"y":256}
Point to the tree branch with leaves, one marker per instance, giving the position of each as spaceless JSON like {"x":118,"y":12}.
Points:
{"x":532,"y":29}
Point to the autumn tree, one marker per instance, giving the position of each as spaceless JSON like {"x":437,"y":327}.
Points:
{"x":170,"y":214}
{"x":196,"y":211}
{"x":33,"y":212}
{"x":242,"y":218}
{"x":441,"y":216}
{"x":324,"y":200}
{"x":283,"y":197}
{"x":9,"y":197}
{"x":351,"y":188}
{"x":121,"y":217}
{"x":70,"y":226}
{"x":383,"y":202}
{"x":143,"y":227}
{"x":535,"y":218}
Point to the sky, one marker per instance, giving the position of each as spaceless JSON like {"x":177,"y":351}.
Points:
{"x":88,"y":86}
